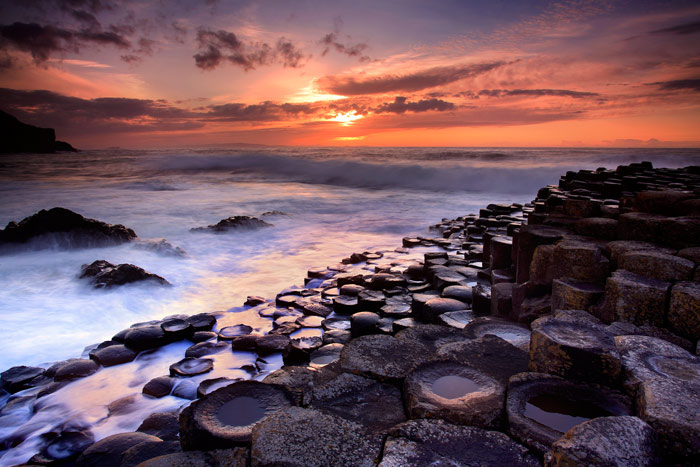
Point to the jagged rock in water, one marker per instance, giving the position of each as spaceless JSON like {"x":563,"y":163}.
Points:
{"x":161,"y":247}
{"x":105,"y":274}
{"x":233,"y":223}
{"x":65,"y":229}
{"x":18,"y":378}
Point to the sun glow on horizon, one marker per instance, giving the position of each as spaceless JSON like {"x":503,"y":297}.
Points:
{"x":347,"y":118}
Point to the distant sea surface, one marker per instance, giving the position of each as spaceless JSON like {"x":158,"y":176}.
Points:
{"x":337,"y":201}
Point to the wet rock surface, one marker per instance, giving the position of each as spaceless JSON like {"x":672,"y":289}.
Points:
{"x":591,"y":281}
{"x":225,"y":418}
{"x":234,"y":223}
{"x":67,"y":228}
{"x":103,"y":274}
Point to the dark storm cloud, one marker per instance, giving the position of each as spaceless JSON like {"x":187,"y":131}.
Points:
{"x":432,"y":77}
{"x":331,"y":41}
{"x":267,"y":111}
{"x":681,"y":29}
{"x":678,"y":84}
{"x":219,"y":46}
{"x":401,"y":105}
{"x":533,"y":93}
{"x":42,"y":41}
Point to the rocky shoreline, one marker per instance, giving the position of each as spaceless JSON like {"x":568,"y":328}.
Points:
{"x":562,"y":332}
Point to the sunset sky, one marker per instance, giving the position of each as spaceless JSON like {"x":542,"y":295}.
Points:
{"x":137,"y":73}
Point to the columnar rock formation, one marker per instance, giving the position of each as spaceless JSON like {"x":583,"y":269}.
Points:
{"x":560,"y":332}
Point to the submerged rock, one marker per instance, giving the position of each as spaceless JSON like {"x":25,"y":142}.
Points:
{"x":234,"y":223}
{"x":161,"y":247}
{"x":108,"y":451}
{"x":18,"y":378}
{"x":68,"y":230}
{"x":104,"y":274}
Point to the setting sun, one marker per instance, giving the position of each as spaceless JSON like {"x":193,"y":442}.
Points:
{"x":347,"y":118}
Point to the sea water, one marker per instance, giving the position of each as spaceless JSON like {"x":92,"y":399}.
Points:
{"x":335,"y":201}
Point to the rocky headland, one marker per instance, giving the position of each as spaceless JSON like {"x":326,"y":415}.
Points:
{"x":561,"y":332}
{"x":18,"y":137}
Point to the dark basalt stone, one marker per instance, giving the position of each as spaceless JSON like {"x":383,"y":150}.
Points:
{"x":145,"y":338}
{"x":176,"y":329}
{"x":284,"y":439}
{"x":271,"y":343}
{"x":202,"y":336}
{"x":299,"y":350}
{"x":161,"y":247}
{"x":108,"y":451}
{"x":148,"y":450}
{"x":456,"y":393}
{"x":514,"y":333}
{"x":234,"y":223}
{"x":336,"y":323}
{"x":225,"y":418}
{"x":76,"y":369}
{"x":202,"y":322}
{"x":541,"y":408}
{"x":69,"y":229}
{"x":310,"y":321}
{"x":160,"y":386}
{"x":206,"y":348}
{"x":364,"y":323}
{"x":665,"y":379}
{"x":230,"y":332}
{"x":606,"y":441}
{"x":163,"y":425}
{"x":298,"y":381}
{"x":456,"y":319}
{"x":382,"y":357}
{"x":113,"y":355}
{"x":220,"y":457}
{"x":432,"y":336}
{"x":434,"y":307}
{"x":346,"y":305}
{"x":244,"y":342}
{"x":336,"y":336}
{"x":436,"y":442}
{"x":458,"y":292}
{"x":574,"y":348}
{"x":325,"y":355}
{"x":191,"y":366}
{"x":105,"y":274}
{"x":18,"y":378}
{"x":489,"y":354}
{"x":374,"y":405}
{"x":210,"y":385}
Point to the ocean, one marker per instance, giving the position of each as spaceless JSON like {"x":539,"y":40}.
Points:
{"x":335,"y":201}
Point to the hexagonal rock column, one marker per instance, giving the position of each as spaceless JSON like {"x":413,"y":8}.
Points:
{"x":431,"y":337}
{"x":502,"y":299}
{"x":666,"y":381}
{"x":490,"y":355}
{"x":657,"y":265}
{"x":606,"y":441}
{"x":580,"y":259}
{"x":513,"y":333}
{"x":309,"y":437}
{"x":501,"y":250}
{"x":574,"y":348}
{"x":436,"y":442}
{"x":572,"y":294}
{"x":541,"y":408}
{"x":618,"y":248}
{"x":382,"y":357}
{"x":640,"y":226}
{"x":529,"y":238}
{"x":374,"y":405}
{"x":684,"y":310}
{"x":456,"y":393}
{"x":225,"y":418}
{"x":434,"y":307}
{"x":634,"y":299}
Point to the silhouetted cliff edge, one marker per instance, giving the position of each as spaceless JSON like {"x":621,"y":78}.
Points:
{"x":16,"y":136}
